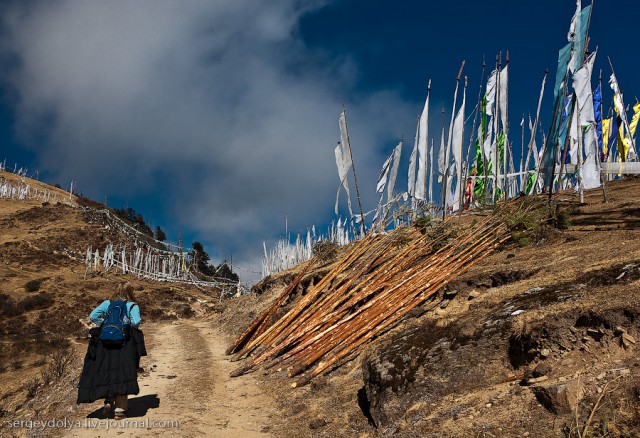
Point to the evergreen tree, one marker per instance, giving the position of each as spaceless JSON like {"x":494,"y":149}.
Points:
{"x":200,"y":259}
{"x":224,"y":271}
{"x":160,"y":235}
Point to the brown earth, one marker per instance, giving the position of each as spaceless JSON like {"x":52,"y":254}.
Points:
{"x":538,"y":339}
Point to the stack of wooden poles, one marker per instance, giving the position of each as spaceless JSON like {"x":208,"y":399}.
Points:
{"x":372,"y":288}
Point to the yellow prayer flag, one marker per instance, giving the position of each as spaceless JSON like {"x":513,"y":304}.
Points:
{"x":606,"y":125}
{"x":624,"y":143}
{"x":634,"y":120}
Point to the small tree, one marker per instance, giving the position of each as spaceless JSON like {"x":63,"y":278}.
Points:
{"x":200,"y":259}
{"x":224,"y":271}
{"x":131,"y":215}
{"x":160,"y":235}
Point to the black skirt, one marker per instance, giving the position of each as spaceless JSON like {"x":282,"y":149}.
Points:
{"x":110,"y":370}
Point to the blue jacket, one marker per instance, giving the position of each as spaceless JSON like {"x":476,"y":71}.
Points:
{"x":97,"y":315}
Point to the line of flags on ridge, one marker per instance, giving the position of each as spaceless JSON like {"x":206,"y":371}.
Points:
{"x":579,"y":135}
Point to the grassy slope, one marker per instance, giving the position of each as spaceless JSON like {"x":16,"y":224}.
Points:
{"x":464,"y":378}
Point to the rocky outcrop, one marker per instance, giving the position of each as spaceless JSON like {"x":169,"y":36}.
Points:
{"x":558,"y":398}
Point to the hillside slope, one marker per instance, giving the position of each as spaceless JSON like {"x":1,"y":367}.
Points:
{"x":45,"y":297}
{"x":538,"y":339}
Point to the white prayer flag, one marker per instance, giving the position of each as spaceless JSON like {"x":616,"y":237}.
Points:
{"x":343,"y":161}
{"x":586,"y":119}
{"x":423,"y":132}
{"x":458,"y":131}
{"x":397,"y":152}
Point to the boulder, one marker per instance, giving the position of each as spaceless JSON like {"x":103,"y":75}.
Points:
{"x":473,"y":294}
{"x":558,"y":398}
{"x":628,"y":339}
{"x":450,"y":294}
{"x":542,"y":369}
{"x":381,"y":381}
{"x":317,"y":423}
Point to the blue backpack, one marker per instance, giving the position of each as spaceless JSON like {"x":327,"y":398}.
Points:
{"x":116,"y":324}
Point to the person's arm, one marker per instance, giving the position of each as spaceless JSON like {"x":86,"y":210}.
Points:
{"x":134,"y":315}
{"x":97,"y":315}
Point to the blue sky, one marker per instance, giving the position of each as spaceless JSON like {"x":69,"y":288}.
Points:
{"x":220,"y":117}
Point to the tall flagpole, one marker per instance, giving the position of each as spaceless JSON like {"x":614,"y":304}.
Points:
{"x":446,"y":155}
{"x":460,"y":189}
{"x":412,"y":175}
{"x":567,"y":141}
{"x":522,"y":180}
{"x":426,"y":146}
{"x":558,"y":107}
{"x":534,"y":132}
{"x":431,"y":177}
{"x":624,"y":119}
{"x":444,"y":170}
{"x":506,"y":132}
{"x":496,"y":124}
{"x":355,"y":178}
{"x":598,"y":155}
{"x":473,"y":129}
{"x":580,"y":142}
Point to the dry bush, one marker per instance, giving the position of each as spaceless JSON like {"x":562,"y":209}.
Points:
{"x":32,"y":285}
{"x":613,"y":413}
{"x":59,"y":362}
{"x":55,"y":369}
{"x":438,"y":233}
{"x":86,"y":202}
{"x":533,"y":219}
{"x":32,"y":387}
{"x":325,"y":251}
{"x":40,"y":301}
{"x":185,"y":311}
{"x":8,"y":306}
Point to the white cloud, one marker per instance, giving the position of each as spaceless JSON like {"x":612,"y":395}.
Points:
{"x":218,"y":104}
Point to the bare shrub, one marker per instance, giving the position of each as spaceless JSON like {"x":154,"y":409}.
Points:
{"x":32,"y":285}
{"x":185,"y":311}
{"x":32,"y":387}
{"x":532,"y":219}
{"x":60,"y":361}
{"x":8,"y":306}
{"x":325,"y":251}
{"x":40,"y":301}
{"x":55,"y":369}
{"x":47,"y":376}
{"x":40,"y":361}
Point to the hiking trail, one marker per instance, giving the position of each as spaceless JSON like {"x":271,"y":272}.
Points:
{"x":186,"y":379}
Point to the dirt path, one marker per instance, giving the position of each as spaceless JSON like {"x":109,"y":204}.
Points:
{"x":186,"y":380}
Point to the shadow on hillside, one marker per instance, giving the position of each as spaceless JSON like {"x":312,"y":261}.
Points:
{"x":138,"y":406}
{"x":628,"y":218}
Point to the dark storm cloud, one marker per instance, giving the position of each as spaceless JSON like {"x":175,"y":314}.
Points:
{"x":218,"y":104}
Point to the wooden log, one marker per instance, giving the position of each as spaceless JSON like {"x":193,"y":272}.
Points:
{"x":259,"y":324}
{"x":437,"y":286}
{"x":366,"y":336}
{"x":381,"y":283}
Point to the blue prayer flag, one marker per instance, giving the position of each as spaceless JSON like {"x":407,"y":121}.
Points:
{"x":613,"y":135}
{"x":597,"y":108}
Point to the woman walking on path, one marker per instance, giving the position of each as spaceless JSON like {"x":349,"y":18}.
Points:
{"x":112,"y":359}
